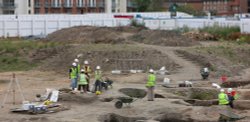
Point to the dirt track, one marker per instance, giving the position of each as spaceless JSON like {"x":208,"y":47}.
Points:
{"x":188,"y":70}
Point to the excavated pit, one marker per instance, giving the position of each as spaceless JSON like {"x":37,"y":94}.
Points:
{"x":234,"y":84}
{"x":77,"y":98}
{"x":133,"y":92}
{"x":197,"y":96}
{"x":174,"y":117}
{"x":111,"y":117}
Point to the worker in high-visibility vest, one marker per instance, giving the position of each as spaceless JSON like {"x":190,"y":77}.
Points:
{"x":223,"y":98}
{"x":82,"y":83}
{"x":151,"y":85}
{"x":87,"y":71}
{"x":73,"y":76}
{"x":232,"y":95}
{"x":78,"y":68}
{"x":98,"y":80}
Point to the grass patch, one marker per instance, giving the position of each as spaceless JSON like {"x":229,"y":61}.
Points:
{"x":237,"y":54}
{"x":220,"y":32}
{"x":203,"y":94}
{"x":14,"y":53}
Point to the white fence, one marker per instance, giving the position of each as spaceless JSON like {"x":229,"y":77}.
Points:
{"x":27,"y":25}
{"x":169,"y":24}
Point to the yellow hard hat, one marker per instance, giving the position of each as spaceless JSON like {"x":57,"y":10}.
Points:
{"x":98,"y":92}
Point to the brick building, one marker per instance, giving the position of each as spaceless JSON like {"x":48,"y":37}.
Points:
{"x":220,"y":7}
{"x":82,"y":6}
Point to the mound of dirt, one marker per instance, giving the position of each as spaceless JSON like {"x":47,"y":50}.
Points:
{"x":119,"y":35}
{"x":162,"y":37}
{"x":89,"y":35}
{"x":110,"y":57}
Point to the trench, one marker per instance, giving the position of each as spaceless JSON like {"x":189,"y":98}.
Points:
{"x":174,"y":117}
{"x":111,"y":117}
{"x":234,"y":84}
{"x":133,"y":92}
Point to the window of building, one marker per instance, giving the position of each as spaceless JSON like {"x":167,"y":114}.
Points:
{"x":36,"y":11}
{"x":29,"y":12}
{"x":8,"y":12}
{"x":29,"y":3}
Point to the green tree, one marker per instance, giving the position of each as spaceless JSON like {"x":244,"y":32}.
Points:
{"x":190,"y":10}
{"x":142,"y":5}
{"x":156,"y":5}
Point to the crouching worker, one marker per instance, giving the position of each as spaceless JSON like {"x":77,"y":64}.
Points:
{"x":232,"y":95}
{"x":83,"y":82}
{"x":223,"y":99}
{"x":151,"y":85}
{"x":98,"y":82}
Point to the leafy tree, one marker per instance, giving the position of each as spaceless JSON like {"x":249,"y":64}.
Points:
{"x":156,"y":5}
{"x":190,"y":10}
{"x":142,"y":5}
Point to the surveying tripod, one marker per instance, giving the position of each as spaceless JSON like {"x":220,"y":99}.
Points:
{"x":12,"y":88}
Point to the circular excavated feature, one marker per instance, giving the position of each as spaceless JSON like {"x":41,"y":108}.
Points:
{"x":159,"y":96}
{"x":203,"y":93}
{"x":133,"y":92}
{"x":197,"y":96}
{"x":195,"y":93}
{"x":118,"y":118}
{"x":77,"y":98}
{"x":234,"y":84}
{"x":174,"y":117}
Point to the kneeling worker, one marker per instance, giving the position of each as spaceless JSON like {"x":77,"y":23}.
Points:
{"x":223,"y":98}
{"x":83,"y":82}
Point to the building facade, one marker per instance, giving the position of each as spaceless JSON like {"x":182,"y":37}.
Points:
{"x":65,"y":6}
{"x":81,"y":6}
{"x":16,"y":7}
{"x":248,"y":6}
{"x":220,"y":7}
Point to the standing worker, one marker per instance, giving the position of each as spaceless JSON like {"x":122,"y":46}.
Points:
{"x":98,"y":82}
{"x":87,"y":71}
{"x":223,"y":98}
{"x":151,"y":85}
{"x":82,"y":83}
{"x":78,"y":68}
{"x":73,"y":76}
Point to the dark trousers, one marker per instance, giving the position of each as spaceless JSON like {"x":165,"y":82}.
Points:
{"x":82,"y":87}
{"x":98,"y":85}
{"x":87,"y":86}
{"x":231,"y":99}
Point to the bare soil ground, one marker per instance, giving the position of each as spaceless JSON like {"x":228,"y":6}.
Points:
{"x":194,"y":104}
{"x":119,"y":35}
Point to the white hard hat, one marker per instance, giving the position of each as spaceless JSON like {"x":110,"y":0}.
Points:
{"x":82,"y":70}
{"x":76,"y":60}
{"x":151,"y":70}
{"x":222,"y":90}
{"x":86,"y":62}
{"x":229,"y":90}
{"x":98,"y":67}
{"x":74,"y":64}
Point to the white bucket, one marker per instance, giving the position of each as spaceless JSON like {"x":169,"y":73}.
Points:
{"x":166,"y":81}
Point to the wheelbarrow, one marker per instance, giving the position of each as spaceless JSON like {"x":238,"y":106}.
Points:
{"x":124,"y":100}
